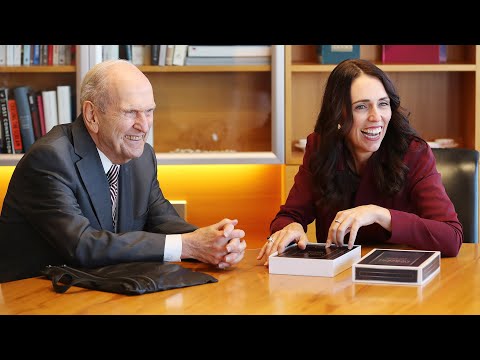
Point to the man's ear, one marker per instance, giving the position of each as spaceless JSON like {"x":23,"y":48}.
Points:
{"x":89,"y":116}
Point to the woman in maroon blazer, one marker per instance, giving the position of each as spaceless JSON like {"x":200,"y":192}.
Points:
{"x":366,"y":177}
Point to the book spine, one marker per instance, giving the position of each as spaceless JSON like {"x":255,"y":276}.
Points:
{"x":162,"y":55}
{"x":26,"y":55}
{"x":36,"y":55}
{"x":155,"y":54}
{"x":169,"y":55}
{"x":61,"y":54}
{"x":138,"y":53}
{"x":7,"y":146}
{"x":64,"y":106}
{"x":32,"y":102}
{"x":3,"y":55}
{"x":49,"y":55}
{"x":179,"y":55}
{"x":43,"y":55}
{"x":41,"y":113}
{"x":15,"y":126}
{"x":50,"y":109}
{"x":229,"y":50}
{"x":24,"y":116}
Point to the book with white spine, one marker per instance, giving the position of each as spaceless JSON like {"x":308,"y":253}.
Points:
{"x":169,"y":55}
{"x":64,"y":104}
{"x":50,"y":109}
{"x":3,"y":55}
{"x":162,"y":55}
{"x":229,"y":50}
{"x":179,"y":54}
{"x":111,"y":52}
{"x":138,"y":54}
{"x":231,"y":60}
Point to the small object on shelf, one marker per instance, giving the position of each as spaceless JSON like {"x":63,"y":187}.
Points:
{"x":415,"y":54}
{"x":445,"y":143}
{"x":390,"y":266}
{"x":334,"y":54}
{"x":315,"y":260}
{"x":301,"y":144}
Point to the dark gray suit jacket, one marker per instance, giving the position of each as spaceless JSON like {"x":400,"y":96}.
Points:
{"x":57,"y":208}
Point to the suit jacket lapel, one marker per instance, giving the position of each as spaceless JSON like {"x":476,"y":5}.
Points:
{"x":91,"y":171}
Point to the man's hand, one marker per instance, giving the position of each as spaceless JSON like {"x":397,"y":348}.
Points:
{"x":218,"y":244}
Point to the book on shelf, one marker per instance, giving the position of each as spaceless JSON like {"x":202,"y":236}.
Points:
{"x":49,"y":55}
{"x":147,"y":55}
{"x":50,"y":109}
{"x":6,"y":142}
{"x":24,"y":116}
{"x":61,"y":54}
{"x":15,"y":126}
{"x":3,"y":55}
{"x":64,"y":106}
{"x":35,"y":57}
{"x":179,"y":54}
{"x":392,"y":266}
{"x":415,"y":54}
{"x":314,"y":260}
{"x":26,"y":55}
{"x":230,"y":60}
{"x":55,"y":50}
{"x":43,"y":55}
{"x":41,"y":112}
{"x":155,"y":53}
{"x":228,"y":50}
{"x":138,"y":54}
{"x":14,"y":55}
{"x":334,"y":54}
{"x":125,"y":52}
{"x":34,"y":113}
{"x":162,"y":55}
{"x":110,"y":52}
{"x":70,"y":54}
{"x":169,"y":55}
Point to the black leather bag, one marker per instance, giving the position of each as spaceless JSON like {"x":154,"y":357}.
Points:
{"x":134,"y":278}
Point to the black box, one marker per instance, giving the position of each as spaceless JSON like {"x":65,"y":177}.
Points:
{"x":392,"y":266}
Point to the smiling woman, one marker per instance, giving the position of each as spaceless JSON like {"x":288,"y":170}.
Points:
{"x":367,"y":176}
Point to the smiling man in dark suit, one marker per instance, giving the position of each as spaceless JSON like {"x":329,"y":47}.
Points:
{"x":58,"y":208}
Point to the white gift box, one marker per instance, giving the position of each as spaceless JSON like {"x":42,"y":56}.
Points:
{"x":315,"y":260}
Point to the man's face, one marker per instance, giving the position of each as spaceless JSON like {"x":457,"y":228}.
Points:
{"x":124,"y":126}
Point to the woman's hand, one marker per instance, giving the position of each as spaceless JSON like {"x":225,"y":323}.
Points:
{"x":350,"y":221}
{"x":282,"y":238}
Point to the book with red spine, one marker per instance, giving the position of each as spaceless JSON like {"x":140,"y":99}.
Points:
{"x":15,"y":126}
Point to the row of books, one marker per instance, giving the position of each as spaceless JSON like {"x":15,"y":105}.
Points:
{"x":26,"y":55}
{"x":391,"y":54}
{"x":26,"y":115}
{"x":180,"y":55}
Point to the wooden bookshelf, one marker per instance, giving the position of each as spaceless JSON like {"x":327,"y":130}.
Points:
{"x":441,"y":97}
{"x":205,"y":68}
{"x":37,"y":69}
{"x":219,"y":114}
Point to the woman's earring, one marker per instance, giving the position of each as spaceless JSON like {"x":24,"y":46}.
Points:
{"x":339,"y":126}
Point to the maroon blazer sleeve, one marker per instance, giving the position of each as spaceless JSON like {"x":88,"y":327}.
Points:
{"x":433,"y":225}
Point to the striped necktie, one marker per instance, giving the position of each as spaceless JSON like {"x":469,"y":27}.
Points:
{"x":112,"y":177}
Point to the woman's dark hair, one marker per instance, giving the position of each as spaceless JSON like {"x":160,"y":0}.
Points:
{"x":336,"y":188}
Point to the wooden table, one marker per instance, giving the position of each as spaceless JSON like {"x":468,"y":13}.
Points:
{"x":249,"y":289}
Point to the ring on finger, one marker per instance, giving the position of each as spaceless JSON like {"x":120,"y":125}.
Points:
{"x":270,"y":239}
{"x":337,"y":221}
